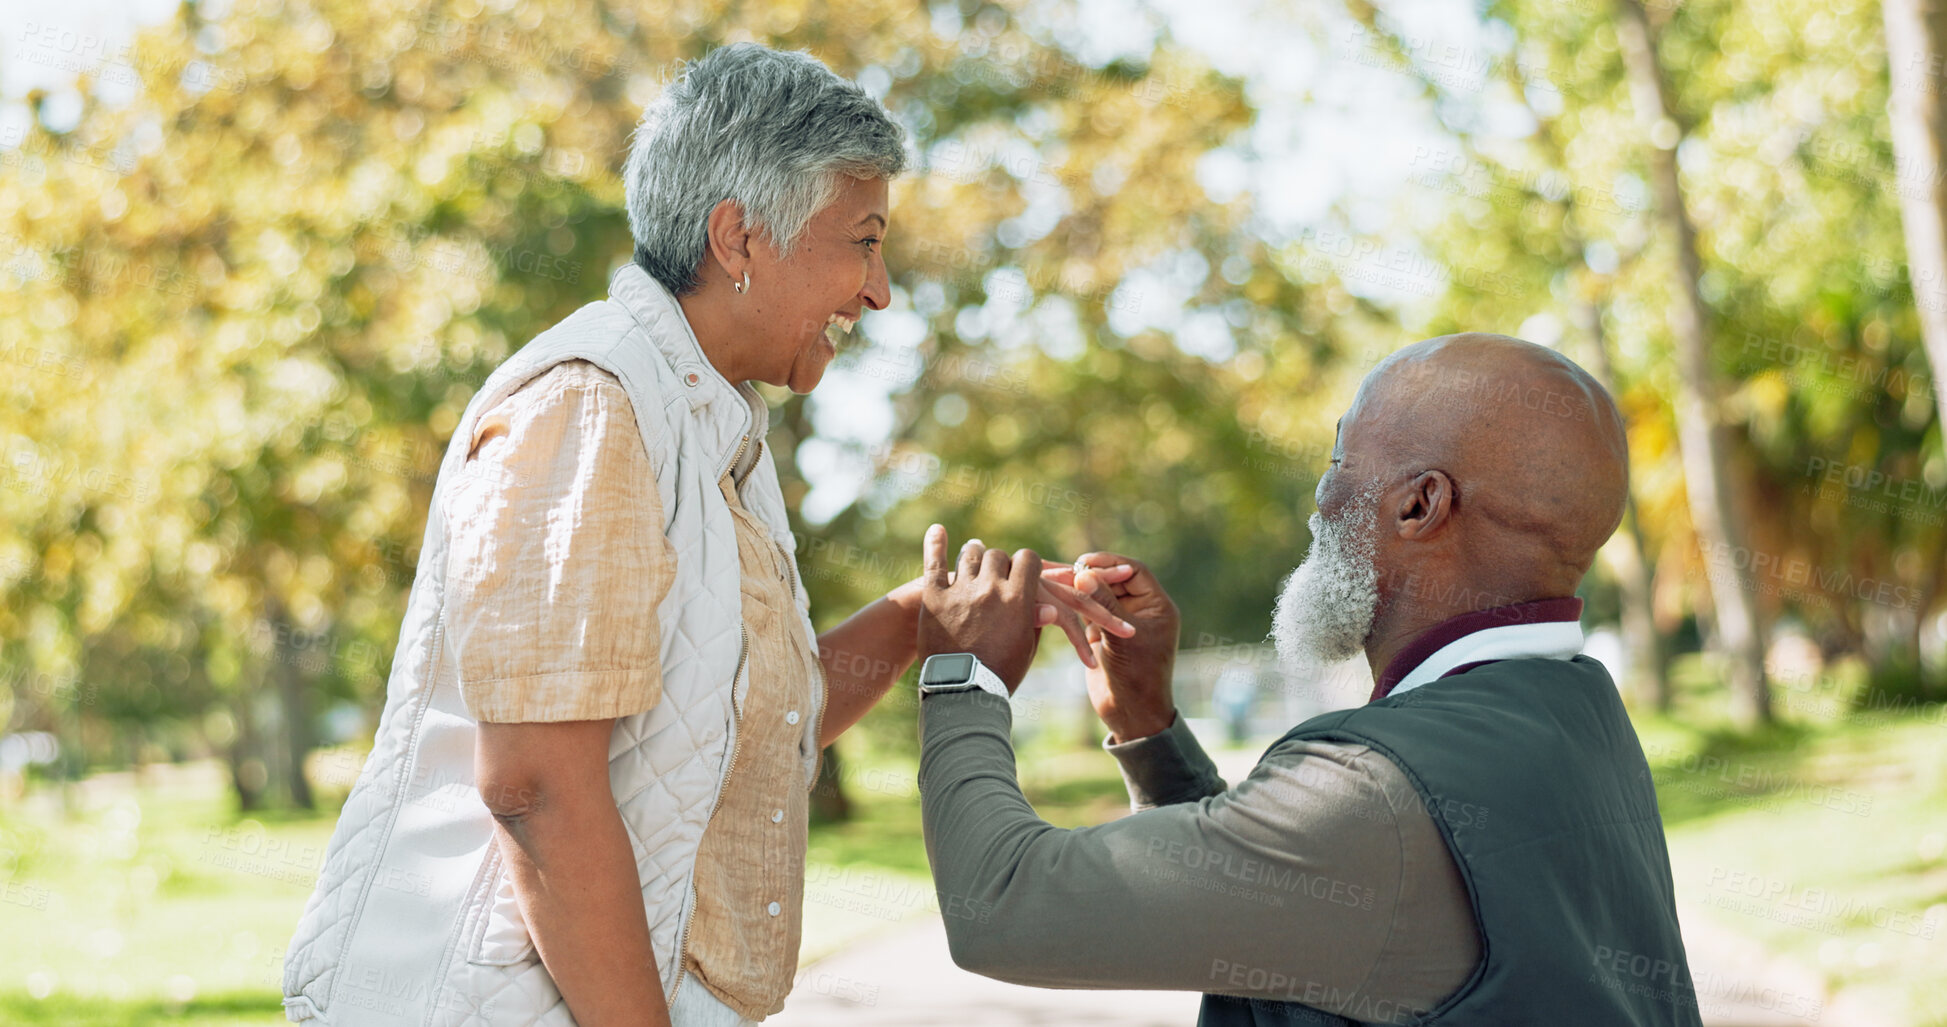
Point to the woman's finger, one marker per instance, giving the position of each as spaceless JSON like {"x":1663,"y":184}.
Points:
{"x":970,"y":555}
{"x":1071,"y":625}
{"x":1117,"y":567}
{"x":996,"y":563}
{"x":933,"y":557}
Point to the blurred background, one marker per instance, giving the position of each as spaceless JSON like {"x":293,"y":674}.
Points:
{"x":255,"y":257}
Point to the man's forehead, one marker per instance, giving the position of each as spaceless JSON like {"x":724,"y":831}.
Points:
{"x":1369,"y":400}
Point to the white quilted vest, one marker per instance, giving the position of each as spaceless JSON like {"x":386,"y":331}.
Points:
{"x":414,"y":919}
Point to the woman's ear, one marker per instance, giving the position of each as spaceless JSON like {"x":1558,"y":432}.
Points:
{"x":1429,"y":499}
{"x":727,"y":239}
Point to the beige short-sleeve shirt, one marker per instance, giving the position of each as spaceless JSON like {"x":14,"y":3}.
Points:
{"x":557,"y":563}
{"x":556,"y":558}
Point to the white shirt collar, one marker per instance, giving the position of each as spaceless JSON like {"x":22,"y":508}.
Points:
{"x":1551,"y":640}
{"x":1540,"y":628}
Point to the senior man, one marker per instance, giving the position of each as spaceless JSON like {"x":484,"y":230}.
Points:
{"x":1478,"y":843}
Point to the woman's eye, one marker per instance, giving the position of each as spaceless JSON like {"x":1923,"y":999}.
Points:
{"x":868,"y":243}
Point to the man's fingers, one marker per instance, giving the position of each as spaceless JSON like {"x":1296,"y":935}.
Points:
{"x":1132,"y":576}
{"x":970,"y":554}
{"x":1093,"y":584}
{"x":933,"y":557}
{"x":1106,"y":613}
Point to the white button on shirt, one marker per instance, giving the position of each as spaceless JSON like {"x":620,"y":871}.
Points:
{"x":774,"y":909}
{"x":777,"y":816}
{"x":791,"y":717}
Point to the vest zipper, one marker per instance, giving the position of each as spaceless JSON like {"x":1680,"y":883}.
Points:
{"x":735,"y":459}
{"x":736,"y":743}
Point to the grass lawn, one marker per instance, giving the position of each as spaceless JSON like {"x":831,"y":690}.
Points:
{"x":1826,"y":846}
{"x":147,"y":901}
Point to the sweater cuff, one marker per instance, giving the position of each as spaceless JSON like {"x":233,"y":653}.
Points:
{"x":1166,"y":768}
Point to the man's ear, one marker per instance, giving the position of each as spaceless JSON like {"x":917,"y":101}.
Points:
{"x":727,"y":240}
{"x":1428,"y":501}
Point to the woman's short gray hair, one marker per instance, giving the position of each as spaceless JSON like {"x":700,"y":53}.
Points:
{"x":768,"y":129}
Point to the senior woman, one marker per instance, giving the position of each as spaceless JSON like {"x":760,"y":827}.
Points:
{"x":586,"y":802}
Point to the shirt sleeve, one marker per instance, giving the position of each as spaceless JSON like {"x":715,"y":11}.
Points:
{"x":556,"y":556}
{"x":1165,"y":768}
{"x":1287,"y":887}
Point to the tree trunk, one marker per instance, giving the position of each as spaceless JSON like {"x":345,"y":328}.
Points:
{"x":829,"y":803}
{"x":1916,"y":56}
{"x":295,"y":709}
{"x":1701,"y":436}
{"x":288,"y":666}
{"x":1649,"y":682}
{"x":246,"y":766}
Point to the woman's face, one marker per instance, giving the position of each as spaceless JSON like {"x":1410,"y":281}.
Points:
{"x":834,"y":274}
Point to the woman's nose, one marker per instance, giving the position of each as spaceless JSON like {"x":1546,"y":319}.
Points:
{"x":878,"y":287}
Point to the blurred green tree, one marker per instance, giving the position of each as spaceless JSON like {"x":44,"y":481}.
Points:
{"x":253,"y":300}
{"x":1831,"y":441}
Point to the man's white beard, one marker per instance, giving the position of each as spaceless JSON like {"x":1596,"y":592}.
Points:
{"x":1326,"y":607}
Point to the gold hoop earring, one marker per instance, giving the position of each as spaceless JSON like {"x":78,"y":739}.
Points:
{"x":743,"y":286}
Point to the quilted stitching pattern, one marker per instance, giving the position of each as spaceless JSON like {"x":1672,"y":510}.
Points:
{"x":665,"y":765}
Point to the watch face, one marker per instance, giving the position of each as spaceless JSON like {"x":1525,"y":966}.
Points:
{"x":948,"y":669}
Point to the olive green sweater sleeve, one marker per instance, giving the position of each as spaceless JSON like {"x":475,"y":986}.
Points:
{"x":1165,"y":768}
{"x":1313,"y":880}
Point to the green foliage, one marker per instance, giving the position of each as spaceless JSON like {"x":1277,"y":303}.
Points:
{"x":253,"y":301}
{"x":1787,"y":165}
{"x":247,"y":306}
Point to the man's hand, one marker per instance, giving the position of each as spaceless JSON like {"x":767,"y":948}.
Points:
{"x":1130,"y":684}
{"x":989,"y":608}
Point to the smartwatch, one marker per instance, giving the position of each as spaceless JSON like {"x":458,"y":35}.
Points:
{"x":958,"y":672}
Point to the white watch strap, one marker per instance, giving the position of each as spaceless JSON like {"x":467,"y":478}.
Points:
{"x":988,"y":680}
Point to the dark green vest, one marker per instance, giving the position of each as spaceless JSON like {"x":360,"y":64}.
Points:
{"x":1535,"y":777}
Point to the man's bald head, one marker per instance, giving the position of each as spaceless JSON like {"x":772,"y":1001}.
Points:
{"x":1531,"y":448}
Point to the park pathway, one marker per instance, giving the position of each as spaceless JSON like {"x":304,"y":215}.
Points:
{"x":904,"y":977}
